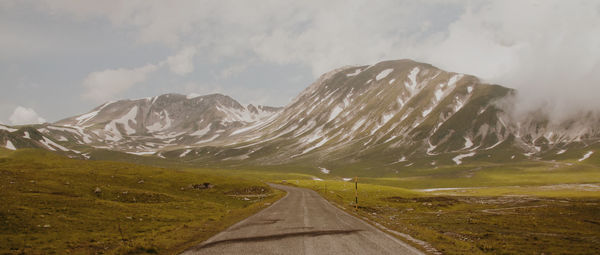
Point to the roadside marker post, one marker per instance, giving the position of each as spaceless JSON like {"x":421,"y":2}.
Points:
{"x":356,"y":192}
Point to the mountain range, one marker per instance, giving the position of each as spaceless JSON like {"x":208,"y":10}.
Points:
{"x":391,"y":115}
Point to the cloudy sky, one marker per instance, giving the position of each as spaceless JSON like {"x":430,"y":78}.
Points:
{"x":59,"y":58}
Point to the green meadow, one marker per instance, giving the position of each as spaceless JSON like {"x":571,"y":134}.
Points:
{"x":55,"y":205}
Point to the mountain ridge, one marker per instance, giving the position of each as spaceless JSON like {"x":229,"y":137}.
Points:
{"x":397,"y":112}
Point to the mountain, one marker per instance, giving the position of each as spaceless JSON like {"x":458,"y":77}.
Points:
{"x":397,"y":113}
{"x":143,"y":126}
{"x":391,"y":115}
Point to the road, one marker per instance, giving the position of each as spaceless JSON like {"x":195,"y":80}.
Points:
{"x":302,"y":223}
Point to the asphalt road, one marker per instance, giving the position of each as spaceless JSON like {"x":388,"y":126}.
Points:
{"x":302,"y":223}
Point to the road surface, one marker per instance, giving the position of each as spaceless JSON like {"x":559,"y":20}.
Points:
{"x":302,"y":223}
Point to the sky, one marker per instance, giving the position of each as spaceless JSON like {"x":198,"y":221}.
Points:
{"x":60,"y":58}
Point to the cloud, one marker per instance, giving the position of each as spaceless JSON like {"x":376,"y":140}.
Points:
{"x":548,"y":50}
{"x":182,"y":63}
{"x":104,"y":85}
{"x":23,"y":116}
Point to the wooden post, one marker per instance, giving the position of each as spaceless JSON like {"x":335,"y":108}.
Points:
{"x":356,"y":192}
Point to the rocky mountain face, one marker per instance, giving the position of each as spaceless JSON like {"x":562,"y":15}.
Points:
{"x":146,"y":125}
{"x":396,"y":113}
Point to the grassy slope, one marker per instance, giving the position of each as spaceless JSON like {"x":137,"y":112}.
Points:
{"x":49,"y":205}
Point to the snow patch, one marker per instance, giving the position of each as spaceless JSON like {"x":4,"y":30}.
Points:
{"x":2,"y":127}
{"x":82,"y":119}
{"x":431,"y":148}
{"x":438,"y":94}
{"x":124,"y":120}
{"x":440,"y":189}
{"x":387,"y":117}
{"x":586,"y":156}
{"x":384,"y":74}
{"x":459,"y":104}
{"x":319,"y":144}
{"x":209,"y":139}
{"x":454,"y":79}
{"x":142,"y":153}
{"x":9,"y":145}
{"x":413,"y":79}
{"x":427,"y":112}
{"x":389,"y":139}
{"x":202,"y":132}
{"x":400,"y":102}
{"x":561,"y":152}
{"x":186,"y":152}
{"x":468,"y":143}
{"x":324,"y":170}
{"x":347,"y":179}
{"x":335,"y":112}
{"x":49,"y":142}
{"x":358,"y":124}
{"x":458,"y":159}
{"x":26,"y":135}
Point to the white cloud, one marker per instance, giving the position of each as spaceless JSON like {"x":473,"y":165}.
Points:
{"x":23,"y":116}
{"x":104,"y":85}
{"x":182,"y":63}
{"x":547,"y":50}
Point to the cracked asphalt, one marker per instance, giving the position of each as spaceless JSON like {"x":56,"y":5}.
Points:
{"x":302,"y":223}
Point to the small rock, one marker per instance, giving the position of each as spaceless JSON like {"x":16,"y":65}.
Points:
{"x":47,"y":226}
{"x":246,"y":199}
{"x":97,"y":190}
{"x":141,"y":181}
{"x":129,"y":218}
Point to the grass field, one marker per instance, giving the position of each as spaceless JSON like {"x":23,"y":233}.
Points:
{"x":530,"y":216}
{"x":54,"y":205}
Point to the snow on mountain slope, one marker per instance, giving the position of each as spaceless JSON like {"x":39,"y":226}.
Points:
{"x":154,"y":123}
{"x":397,"y":108}
{"x":392,"y":110}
